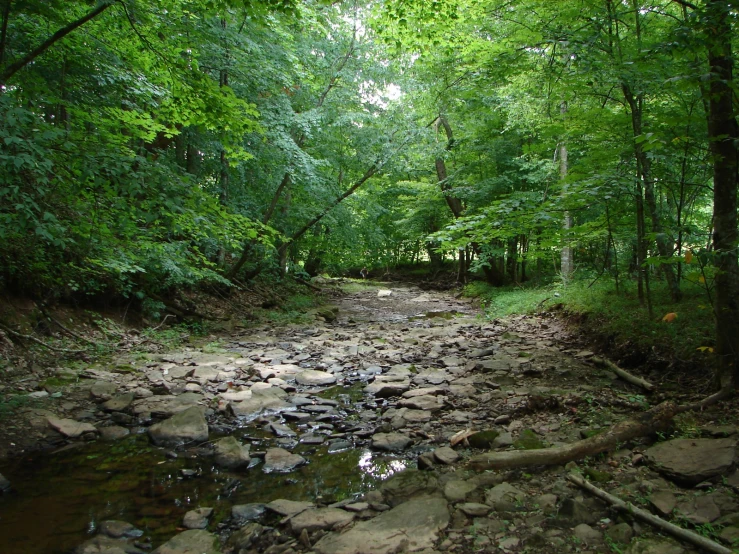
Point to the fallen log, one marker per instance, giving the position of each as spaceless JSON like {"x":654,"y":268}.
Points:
{"x":644,"y":423}
{"x":686,"y":535}
{"x":625,"y":375}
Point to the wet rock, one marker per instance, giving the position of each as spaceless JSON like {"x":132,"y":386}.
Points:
{"x":412,"y":526}
{"x":197,"y":519}
{"x":4,"y":483}
{"x":322,"y":518}
{"x":313,"y":378}
{"x":587,"y":534}
{"x":69,"y":427}
{"x":289,"y":508}
{"x":691,"y":461}
{"x":119,"y":529}
{"x":247,"y":512}
{"x":103,"y":544}
{"x":118,"y":403}
{"x":279,"y":460}
{"x":113,"y":432}
{"x":387,"y":389}
{"x":446,"y":455}
{"x":282,"y":430}
{"x":103,"y":390}
{"x":246,"y":537}
{"x":272,"y":399}
{"x":408,"y":484}
{"x":230,"y":453}
{"x":654,"y":546}
{"x":390,"y":442}
{"x":194,"y":541}
{"x":188,"y":425}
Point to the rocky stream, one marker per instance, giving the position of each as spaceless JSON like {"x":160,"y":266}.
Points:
{"x":352,"y":435}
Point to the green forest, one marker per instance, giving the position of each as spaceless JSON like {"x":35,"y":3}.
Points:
{"x":149,"y":147}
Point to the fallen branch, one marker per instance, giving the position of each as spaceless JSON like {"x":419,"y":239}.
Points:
{"x":308,"y":284}
{"x":645,"y":423}
{"x":625,"y":375}
{"x":37,"y":341}
{"x":683,"y":534}
{"x":656,"y":419}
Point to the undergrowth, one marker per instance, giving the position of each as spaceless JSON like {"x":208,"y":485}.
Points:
{"x":618,"y":320}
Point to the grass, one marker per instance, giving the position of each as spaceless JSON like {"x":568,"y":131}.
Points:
{"x":618,"y":318}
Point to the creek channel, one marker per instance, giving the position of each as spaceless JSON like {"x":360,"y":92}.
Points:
{"x":417,"y":338}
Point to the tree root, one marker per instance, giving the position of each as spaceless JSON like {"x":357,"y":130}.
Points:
{"x":625,"y":375}
{"x":645,"y":423}
{"x":683,"y":534}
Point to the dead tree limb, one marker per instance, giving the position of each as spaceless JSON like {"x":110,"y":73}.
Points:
{"x":37,"y":341}
{"x":656,"y":419}
{"x":625,"y":375}
{"x":678,"y":532}
{"x":645,"y":423}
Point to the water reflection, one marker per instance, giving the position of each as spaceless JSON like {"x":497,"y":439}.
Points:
{"x":380,"y":468}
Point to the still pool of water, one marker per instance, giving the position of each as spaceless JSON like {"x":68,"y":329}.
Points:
{"x":58,"y":499}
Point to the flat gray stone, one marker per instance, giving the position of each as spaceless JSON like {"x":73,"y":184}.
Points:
{"x":103,"y":390}
{"x":247,"y":512}
{"x":428,"y":403}
{"x":474,"y":509}
{"x":188,"y":425}
{"x":166,"y":405}
{"x":279,"y":460}
{"x":118,"y":403}
{"x":230,"y":453}
{"x":408,"y":484}
{"x":390,"y":442}
{"x":446,"y":455}
{"x":663,"y":501}
{"x":289,"y":508}
{"x":313,"y":378}
{"x":458,"y":490}
{"x":322,"y":518}
{"x":69,"y":427}
{"x":113,"y":432}
{"x":263,"y":400}
{"x":587,"y":534}
{"x":410,"y":527}
{"x":197,"y":519}
{"x":194,"y":541}
{"x":691,"y":461}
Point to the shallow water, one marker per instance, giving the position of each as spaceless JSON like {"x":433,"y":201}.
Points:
{"x":59,"y":499}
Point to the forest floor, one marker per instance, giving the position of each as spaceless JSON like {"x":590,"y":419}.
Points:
{"x":349,"y":427}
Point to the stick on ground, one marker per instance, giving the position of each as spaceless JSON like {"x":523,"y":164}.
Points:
{"x":683,"y":534}
{"x":625,"y":375}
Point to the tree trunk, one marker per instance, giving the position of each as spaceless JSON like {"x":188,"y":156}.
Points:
{"x":567,"y":264}
{"x":723,"y":135}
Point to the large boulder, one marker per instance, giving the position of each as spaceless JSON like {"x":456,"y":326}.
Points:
{"x":691,"y":461}
{"x":270,"y":400}
{"x":410,"y":527}
{"x":186,"y":426}
{"x":409,"y":484}
{"x":322,"y":518}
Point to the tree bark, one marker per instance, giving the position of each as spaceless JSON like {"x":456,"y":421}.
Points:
{"x":723,"y":134}
{"x":567,"y":265}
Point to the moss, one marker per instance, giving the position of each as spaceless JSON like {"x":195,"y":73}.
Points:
{"x":528,"y":440}
{"x":597,"y":476}
{"x":483,"y":439}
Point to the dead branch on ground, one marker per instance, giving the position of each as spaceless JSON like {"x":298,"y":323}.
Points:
{"x":625,"y":375}
{"x":683,"y":534}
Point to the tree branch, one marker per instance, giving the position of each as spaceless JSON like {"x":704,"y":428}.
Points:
{"x":13,"y":68}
